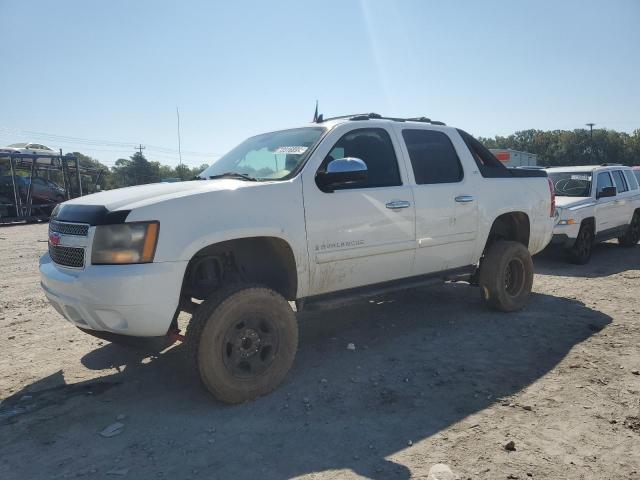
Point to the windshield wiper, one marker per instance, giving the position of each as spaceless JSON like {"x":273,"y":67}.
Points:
{"x":240,"y":176}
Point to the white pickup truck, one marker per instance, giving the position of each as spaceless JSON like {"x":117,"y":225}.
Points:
{"x":319,"y":215}
{"x":595,"y":203}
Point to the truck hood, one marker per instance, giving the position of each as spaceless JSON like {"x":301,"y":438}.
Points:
{"x":129,"y":198}
{"x":573,"y":202}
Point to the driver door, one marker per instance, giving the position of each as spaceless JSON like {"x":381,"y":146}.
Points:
{"x":605,"y":208}
{"x":365,"y":233}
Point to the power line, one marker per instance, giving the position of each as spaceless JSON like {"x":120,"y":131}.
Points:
{"x":96,"y":142}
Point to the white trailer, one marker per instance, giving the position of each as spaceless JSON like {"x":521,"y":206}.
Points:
{"x":514,"y":158}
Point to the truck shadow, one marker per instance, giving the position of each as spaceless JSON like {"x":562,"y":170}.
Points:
{"x":423,"y":360}
{"x":607,"y":259}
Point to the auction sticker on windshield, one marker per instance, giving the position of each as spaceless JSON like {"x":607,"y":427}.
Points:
{"x":586,"y":178}
{"x":296,"y":150}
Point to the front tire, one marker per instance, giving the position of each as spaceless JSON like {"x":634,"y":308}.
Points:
{"x":632,"y":235}
{"x":506,"y":276}
{"x":580,"y":253}
{"x":243,"y":340}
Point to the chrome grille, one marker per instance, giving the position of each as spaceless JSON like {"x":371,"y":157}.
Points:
{"x":79,"y":229}
{"x":67,"y":256}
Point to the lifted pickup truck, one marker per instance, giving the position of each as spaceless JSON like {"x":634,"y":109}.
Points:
{"x":319,"y":215}
{"x":595,"y":203}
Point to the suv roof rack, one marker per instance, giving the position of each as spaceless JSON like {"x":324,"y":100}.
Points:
{"x":612,"y":165}
{"x":377,"y":116}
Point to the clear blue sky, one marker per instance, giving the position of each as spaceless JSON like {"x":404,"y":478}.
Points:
{"x":114,"y":71}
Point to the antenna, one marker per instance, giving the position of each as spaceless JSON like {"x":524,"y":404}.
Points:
{"x":179,"y":146}
{"x":315,"y":114}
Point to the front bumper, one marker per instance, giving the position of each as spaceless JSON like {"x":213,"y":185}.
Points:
{"x":565,"y":235}
{"x":136,"y":300}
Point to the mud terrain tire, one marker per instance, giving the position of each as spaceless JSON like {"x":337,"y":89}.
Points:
{"x":243,"y":340}
{"x":506,"y":276}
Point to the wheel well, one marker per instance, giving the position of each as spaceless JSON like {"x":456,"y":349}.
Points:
{"x":510,"y":226}
{"x":589,"y":221}
{"x":263,"y":260}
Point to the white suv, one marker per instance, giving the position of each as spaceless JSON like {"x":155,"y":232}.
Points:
{"x":594,"y":204}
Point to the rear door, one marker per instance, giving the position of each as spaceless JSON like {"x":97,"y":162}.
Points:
{"x":623,"y":208}
{"x":446,"y":205}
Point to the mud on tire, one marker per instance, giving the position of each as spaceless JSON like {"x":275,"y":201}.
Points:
{"x":242,"y":340}
{"x":506,"y":276}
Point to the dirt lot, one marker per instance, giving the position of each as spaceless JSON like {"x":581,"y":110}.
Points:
{"x":435,"y":377}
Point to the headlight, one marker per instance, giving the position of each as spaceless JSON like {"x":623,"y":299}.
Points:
{"x":125,"y":243}
{"x":568,"y":221}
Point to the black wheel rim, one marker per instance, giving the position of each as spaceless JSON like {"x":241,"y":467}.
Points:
{"x":250,"y":346}
{"x":514,"y":277}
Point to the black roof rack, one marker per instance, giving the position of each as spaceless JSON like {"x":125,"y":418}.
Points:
{"x":376,"y":116}
{"x":611,"y":165}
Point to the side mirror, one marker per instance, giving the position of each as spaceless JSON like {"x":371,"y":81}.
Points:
{"x":607,"y":192}
{"x":342,"y":172}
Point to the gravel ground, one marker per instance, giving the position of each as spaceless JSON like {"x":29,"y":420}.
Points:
{"x":434,"y":378}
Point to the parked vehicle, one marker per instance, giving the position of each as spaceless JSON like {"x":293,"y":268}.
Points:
{"x":47,"y":191}
{"x":6,"y":184}
{"x":320,"y":215}
{"x":42,"y":191}
{"x":595,"y":203}
{"x":636,"y":171}
{"x":30,"y":148}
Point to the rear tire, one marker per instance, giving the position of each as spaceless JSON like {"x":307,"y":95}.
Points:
{"x":632,"y":235}
{"x":506,"y":276}
{"x":580,"y":253}
{"x":243,"y":340}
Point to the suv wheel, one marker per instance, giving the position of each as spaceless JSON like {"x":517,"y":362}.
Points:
{"x":243,"y":340}
{"x":632,"y":235}
{"x":506,"y":276}
{"x":580,"y":253}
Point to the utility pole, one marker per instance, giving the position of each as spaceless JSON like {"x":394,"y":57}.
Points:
{"x":140,"y":148}
{"x":590,"y":125}
{"x":179,"y":147}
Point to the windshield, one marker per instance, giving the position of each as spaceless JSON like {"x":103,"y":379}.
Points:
{"x":270,"y":156}
{"x":571,"y":184}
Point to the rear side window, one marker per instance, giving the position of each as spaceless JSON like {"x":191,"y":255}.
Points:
{"x":433,"y":158}
{"x":604,"y":180}
{"x":373,"y":146}
{"x":632,"y":181}
{"x":621,"y":183}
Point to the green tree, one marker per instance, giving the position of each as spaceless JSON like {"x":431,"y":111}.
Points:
{"x":573,"y":147}
{"x":136,"y":170}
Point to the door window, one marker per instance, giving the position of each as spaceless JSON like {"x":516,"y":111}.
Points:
{"x":373,"y":146}
{"x":621,"y":183}
{"x":604,"y":180}
{"x":433,"y":158}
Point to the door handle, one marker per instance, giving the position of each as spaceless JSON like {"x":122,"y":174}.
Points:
{"x":397,"y":204}
{"x":464,"y":198}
